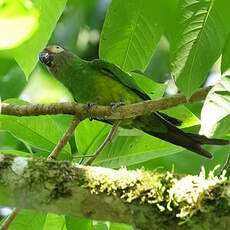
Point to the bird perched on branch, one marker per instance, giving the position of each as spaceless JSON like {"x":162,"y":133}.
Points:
{"x":100,"y":82}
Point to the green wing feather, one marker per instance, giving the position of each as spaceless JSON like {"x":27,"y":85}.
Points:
{"x":120,"y":75}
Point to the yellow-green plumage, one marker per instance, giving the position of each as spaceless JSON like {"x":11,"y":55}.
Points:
{"x":103,"y":83}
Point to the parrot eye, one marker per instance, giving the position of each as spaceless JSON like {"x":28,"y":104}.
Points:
{"x":57,"y":49}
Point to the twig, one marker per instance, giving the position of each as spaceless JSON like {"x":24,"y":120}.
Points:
{"x":103,"y":112}
{"x":5,"y":225}
{"x":226,"y":164}
{"x":106,"y":141}
{"x":65,"y":138}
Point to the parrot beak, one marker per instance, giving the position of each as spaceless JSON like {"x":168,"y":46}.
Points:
{"x":46,"y":58}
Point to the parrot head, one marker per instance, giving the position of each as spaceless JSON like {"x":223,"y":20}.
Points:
{"x":55,"y":57}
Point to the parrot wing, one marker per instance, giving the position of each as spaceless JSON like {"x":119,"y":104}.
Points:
{"x":119,"y":75}
{"x":126,"y":79}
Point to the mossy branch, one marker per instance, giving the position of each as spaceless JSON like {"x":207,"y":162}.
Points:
{"x":139,"y":198}
{"x":102,"y":112}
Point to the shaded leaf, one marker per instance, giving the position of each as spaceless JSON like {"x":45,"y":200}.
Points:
{"x":123,"y":150}
{"x":184,"y":114}
{"x":78,"y":223}
{"x":186,"y":162}
{"x":225,"y":61}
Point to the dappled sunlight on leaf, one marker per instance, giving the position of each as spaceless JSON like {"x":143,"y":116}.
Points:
{"x":43,"y":88}
{"x":18,"y":21}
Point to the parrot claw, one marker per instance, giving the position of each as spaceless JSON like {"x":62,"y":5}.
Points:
{"x":88,"y":106}
{"x":117,"y":105}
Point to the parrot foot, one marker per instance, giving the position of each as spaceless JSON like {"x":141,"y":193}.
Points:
{"x":117,"y":105}
{"x":88,"y":106}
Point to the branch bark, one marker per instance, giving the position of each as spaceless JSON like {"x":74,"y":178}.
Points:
{"x":102,"y":112}
{"x":139,"y":198}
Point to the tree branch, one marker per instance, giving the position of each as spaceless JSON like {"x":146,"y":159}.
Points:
{"x":6,"y":224}
{"x":105,"y":142}
{"x":139,"y":198}
{"x":63,"y":141}
{"x":102,"y":112}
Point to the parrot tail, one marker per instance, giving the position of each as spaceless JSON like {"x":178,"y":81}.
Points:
{"x":189,"y":141}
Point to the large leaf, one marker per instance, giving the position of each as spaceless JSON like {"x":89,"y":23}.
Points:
{"x":225,"y":62}
{"x":12,"y":80}
{"x":153,"y":89}
{"x":184,"y":114}
{"x":54,"y":222}
{"x":130,"y":33}
{"x":27,"y":53}
{"x":187,"y":162}
{"x":199,"y":38}
{"x":123,"y":150}
{"x":78,"y":223}
{"x":216,"y":108}
{"x":116,"y":226}
{"x":15,"y":152}
{"x":18,"y":21}
{"x":28,"y":220}
{"x":89,"y":135}
{"x":41,"y":131}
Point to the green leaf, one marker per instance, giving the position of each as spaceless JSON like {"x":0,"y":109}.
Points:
{"x":216,"y":108}
{"x":12,"y":80}
{"x":200,"y":36}
{"x":54,"y":222}
{"x":153,"y":89}
{"x":15,"y":152}
{"x":44,"y":88}
{"x":116,"y":226}
{"x":184,"y":114}
{"x":130,"y":33}
{"x":123,"y":150}
{"x":187,"y":162}
{"x":78,"y":223}
{"x":28,"y":219}
{"x":225,"y":61}
{"x":89,"y":135}
{"x":18,"y":21}
{"x":100,"y":225}
{"x":41,"y":132}
{"x":27,"y":53}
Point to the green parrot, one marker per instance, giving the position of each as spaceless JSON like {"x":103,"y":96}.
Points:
{"x":103,"y":83}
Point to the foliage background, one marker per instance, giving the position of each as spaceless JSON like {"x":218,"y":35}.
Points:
{"x":183,"y":39}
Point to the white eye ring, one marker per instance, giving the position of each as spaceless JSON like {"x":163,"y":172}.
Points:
{"x":56,"y":49}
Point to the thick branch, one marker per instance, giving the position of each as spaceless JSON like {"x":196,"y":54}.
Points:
{"x":102,"y":112}
{"x":139,"y":198}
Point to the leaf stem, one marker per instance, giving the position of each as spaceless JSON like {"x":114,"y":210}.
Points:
{"x":105,"y":142}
